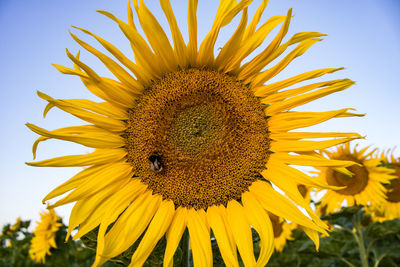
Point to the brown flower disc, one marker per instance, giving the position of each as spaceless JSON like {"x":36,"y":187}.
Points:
{"x":393,"y":194}
{"x":355,"y":184}
{"x":276,"y":225}
{"x":208,"y":131}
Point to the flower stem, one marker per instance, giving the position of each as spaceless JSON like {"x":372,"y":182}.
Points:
{"x":358,"y":235}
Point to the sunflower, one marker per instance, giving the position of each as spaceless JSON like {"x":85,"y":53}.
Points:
{"x":17,"y":225}
{"x":187,"y":139}
{"x":282,"y":231}
{"x":361,"y":183}
{"x":390,"y":209}
{"x":44,"y":236}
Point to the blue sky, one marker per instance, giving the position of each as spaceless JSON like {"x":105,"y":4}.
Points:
{"x":363,"y":36}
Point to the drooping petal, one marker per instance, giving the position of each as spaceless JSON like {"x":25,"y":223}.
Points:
{"x":156,"y":36}
{"x":95,"y":140}
{"x":192,"y":25}
{"x":199,"y":240}
{"x":113,"y":66}
{"x":174,"y":234}
{"x":99,"y":156}
{"x":110,"y":174}
{"x":83,"y":208}
{"x":279,"y":205}
{"x":241,"y":232}
{"x":179,"y":43}
{"x":221,"y":233}
{"x":130,"y":225}
{"x":154,"y":232}
{"x":264,"y":90}
{"x":259,"y":219}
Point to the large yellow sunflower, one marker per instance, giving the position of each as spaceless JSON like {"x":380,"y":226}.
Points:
{"x":186,"y":139}
{"x":361,"y":183}
{"x":44,"y":236}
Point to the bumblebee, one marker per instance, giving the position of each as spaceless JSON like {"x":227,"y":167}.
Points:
{"x":155,"y":163}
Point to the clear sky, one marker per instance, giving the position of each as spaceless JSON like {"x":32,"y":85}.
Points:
{"x":363,"y":36}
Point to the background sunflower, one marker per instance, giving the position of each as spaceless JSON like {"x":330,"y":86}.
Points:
{"x":362,"y":182}
{"x":44,"y":236}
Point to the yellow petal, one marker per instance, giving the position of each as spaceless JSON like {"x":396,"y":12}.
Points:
{"x":156,"y":36}
{"x":264,"y":90}
{"x":179,"y":43}
{"x":254,"y":21}
{"x":118,"y":94}
{"x":66,"y":130}
{"x":298,"y":146}
{"x":268,"y":74}
{"x":307,"y":135}
{"x":262,"y":59}
{"x":154,"y":232}
{"x":308,"y":97}
{"x":313,"y":235}
{"x":192,"y":25}
{"x":174,"y":235}
{"x":199,"y":240}
{"x":249,"y":70}
{"x":98,"y":140}
{"x":93,"y":184}
{"x":233,"y":44}
{"x":143,"y":77}
{"x":227,"y":10}
{"x":307,"y":160}
{"x":241,"y":232}
{"x":83,"y":208}
{"x":291,"y":120}
{"x":116,"y":206}
{"x":290,"y":188}
{"x":99,"y":120}
{"x":99,"y":156}
{"x":280,"y":96}
{"x":143,"y":54}
{"x":253,"y":42}
{"x":113,"y":66}
{"x":279,"y":205}
{"x":130,"y":225}
{"x":102,"y":108}
{"x":259,"y":219}
{"x":216,"y":221}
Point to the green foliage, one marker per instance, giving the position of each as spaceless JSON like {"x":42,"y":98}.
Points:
{"x":354,"y":235}
{"x":15,"y":244}
{"x":380,"y":242}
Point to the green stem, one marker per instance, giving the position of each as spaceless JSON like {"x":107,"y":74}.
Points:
{"x":345,"y":261}
{"x":358,"y":235}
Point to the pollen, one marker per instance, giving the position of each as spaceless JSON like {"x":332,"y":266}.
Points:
{"x":209,"y":131}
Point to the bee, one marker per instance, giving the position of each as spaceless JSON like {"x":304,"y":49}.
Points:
{"x":155,"y":162}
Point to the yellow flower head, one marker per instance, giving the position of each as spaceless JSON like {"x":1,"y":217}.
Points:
{"x":185,"y":138}
{"x":390,"y":209}
{"x":17,"y":225}
{"x":44,"y":236}
{"x":360,"y":184}
{"x":282,"y":231}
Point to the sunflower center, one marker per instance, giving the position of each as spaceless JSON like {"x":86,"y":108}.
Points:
{"x":393,"y":194}
{"x":205,"y":134}
{"x":276,"y":225}
{"x":354,"y":184}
